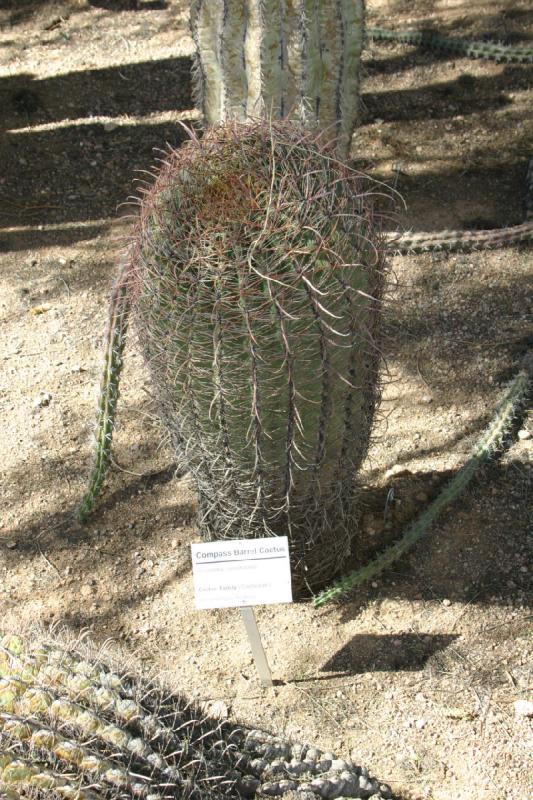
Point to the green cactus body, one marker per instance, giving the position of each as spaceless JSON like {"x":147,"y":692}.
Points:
{"x":115,"y":340}
{"x":57,"y":747}
{"x":266,"y":58}
{"x":256,"y":283}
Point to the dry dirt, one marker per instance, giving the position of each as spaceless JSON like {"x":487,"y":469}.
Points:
{"x":417,"y":674}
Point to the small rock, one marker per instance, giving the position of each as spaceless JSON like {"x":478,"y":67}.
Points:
{"x":523,"y":708}
{"x":426,"y":399}
{"x":524,"y":434}
{"x":218,"y":709}
{"x":11,"y":545}
{"x":420,"y":724}
{"x":42,"y":400}
{"x":446,"y":602}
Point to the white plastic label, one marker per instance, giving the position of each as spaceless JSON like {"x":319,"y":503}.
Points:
{"x":241,"y":572}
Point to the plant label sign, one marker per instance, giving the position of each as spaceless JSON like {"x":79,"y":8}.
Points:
{"x":241,"y":572}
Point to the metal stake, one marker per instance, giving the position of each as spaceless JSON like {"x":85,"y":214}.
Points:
{"x":258,"y":652}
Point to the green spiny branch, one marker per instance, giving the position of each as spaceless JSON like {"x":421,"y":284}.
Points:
{"x":115,"y":341}
{"x":451,"y":44}
{"x":489,"y":442}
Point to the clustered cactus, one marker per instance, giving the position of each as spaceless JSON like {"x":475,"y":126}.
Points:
{"x":256,"y":276}
{"x":72,"y":727}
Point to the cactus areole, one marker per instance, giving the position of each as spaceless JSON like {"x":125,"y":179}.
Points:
{"x":255,"y":277}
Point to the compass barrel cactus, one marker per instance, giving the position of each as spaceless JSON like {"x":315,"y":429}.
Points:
{"x":255,"y":280}
{"x":290,"y":59}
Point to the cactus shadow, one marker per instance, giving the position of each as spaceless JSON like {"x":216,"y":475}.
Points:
{"x":468,"y":94}
{"x":64,"y":168}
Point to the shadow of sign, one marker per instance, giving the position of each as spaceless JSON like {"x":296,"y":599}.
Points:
{"x":387,"y":653}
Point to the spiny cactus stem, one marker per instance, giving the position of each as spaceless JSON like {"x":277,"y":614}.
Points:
{"x":51,"y":677}
{"x":489,"y":442}
{"x":98,"y":675}
{"x":24,"y":699}
{"x":42,"y":672}
{"x":33,"y":733}
{"x":462,"y":47}
{"x":18,"y":773}
{"x":459,"y":240}
{"x":115,"y":340}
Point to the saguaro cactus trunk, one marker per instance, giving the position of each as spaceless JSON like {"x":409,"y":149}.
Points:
{"x":280,"y":58}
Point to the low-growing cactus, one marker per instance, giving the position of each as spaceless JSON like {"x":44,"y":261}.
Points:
{"x":74,"y":728}
{"x":433,"y":40}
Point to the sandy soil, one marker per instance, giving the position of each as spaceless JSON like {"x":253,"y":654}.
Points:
{"x":417,"y":674}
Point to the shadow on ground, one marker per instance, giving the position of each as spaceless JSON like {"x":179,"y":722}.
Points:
{"x":387,"y":653}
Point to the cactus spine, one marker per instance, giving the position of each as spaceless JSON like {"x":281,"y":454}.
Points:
{"x":64,"y":754}
{"x":490,"y":441}
{"x":280,"y":58}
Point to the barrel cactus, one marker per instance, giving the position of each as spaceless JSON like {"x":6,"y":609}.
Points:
{"x":255,"y":276}
{"x":75,"y":727}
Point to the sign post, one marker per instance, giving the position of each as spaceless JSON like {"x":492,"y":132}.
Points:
{"x":258,"y":651}
{"x":243,"y":573}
